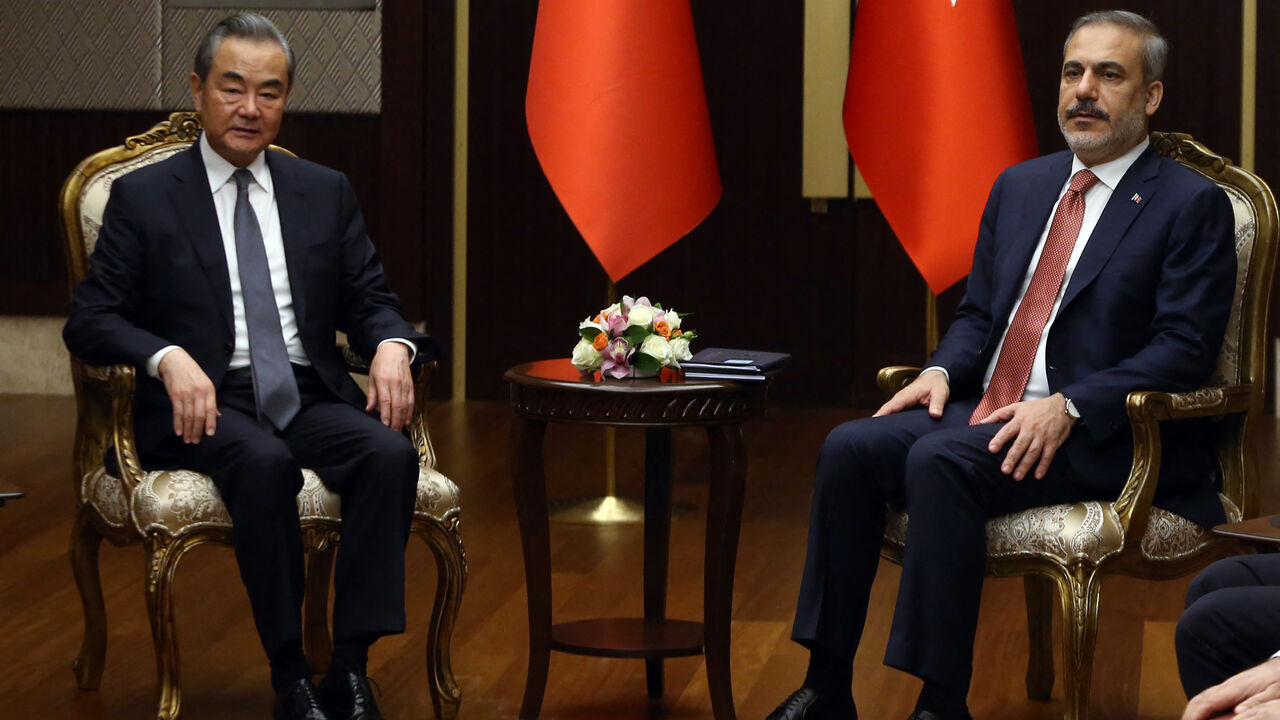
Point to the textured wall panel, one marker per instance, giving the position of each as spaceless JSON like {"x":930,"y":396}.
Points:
{"x":338,"y":54}
{"x":136,"y":55}
{"x":77,"y":54}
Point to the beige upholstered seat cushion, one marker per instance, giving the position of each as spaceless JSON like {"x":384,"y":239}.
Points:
{"x":1079,"y":531}
{"x":177,"y":501}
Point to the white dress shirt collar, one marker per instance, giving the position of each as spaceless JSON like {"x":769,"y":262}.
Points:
{"x":1110,"y":172}
{"x":219,"y":170}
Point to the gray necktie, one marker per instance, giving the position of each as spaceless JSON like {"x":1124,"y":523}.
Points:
{"x":274,"y":387}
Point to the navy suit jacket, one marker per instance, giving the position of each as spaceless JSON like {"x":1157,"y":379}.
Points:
{"x":1146,"y":309}
{"x":158,"y":276}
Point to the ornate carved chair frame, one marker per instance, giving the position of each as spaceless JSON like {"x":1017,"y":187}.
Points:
{"x":171,"y":512}
{"x":1076,"y":546}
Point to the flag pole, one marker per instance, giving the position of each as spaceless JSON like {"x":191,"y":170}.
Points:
{"x":608,"y":509}
{"x":930,"y":322}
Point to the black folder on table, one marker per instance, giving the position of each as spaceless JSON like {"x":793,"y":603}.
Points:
{"x":731,"y":364}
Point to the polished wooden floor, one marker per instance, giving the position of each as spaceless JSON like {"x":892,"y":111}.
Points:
{"x":597,"y":573}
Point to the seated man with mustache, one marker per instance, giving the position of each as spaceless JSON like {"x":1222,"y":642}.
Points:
{"x":1098,"y":271}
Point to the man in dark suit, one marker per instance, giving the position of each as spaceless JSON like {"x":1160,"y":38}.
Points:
{"x":1228,"y":640}
{"x":1097,"y":272}
{"x":225,"y":272}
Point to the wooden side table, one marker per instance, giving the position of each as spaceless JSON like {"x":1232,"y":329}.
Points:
{"x":8,"y":492}
{"x":1261,"y":532}
{"x":554,"y":391}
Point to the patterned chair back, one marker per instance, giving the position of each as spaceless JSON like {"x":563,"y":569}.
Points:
{"x":1242,"y":359}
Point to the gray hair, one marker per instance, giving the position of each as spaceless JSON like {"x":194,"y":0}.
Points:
{"x":247,"y":26}
{"x":1155,"y":49}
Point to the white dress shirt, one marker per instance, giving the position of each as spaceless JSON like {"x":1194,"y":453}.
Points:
{"x":1095,"y":201}
{"x":263,"y":199}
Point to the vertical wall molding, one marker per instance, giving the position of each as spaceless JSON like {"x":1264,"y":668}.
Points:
{"x":825,"y":163}
{"x":461,"y":75}
{"x":1249,"y":84}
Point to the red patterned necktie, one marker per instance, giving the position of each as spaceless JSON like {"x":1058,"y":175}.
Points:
{"x":1009,"y":379}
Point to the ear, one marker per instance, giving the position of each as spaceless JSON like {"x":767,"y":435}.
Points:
{"x":1155,"y":93}
{"x":196,"y":85}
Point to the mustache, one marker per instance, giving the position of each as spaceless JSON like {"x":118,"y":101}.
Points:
{"x":1087,"y":107}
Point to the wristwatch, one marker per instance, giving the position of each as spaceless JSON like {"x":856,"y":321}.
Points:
{"x":1070,"y":408}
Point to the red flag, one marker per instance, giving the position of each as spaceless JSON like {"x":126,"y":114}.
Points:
{"x":618,"y":119}
{"x":935,"y":107}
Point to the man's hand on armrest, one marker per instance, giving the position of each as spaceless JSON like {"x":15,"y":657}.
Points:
{"x":195,"y":402}
{"x":391,"y":384}
{"x":1250,"y":694}
{"x":930,"y":388}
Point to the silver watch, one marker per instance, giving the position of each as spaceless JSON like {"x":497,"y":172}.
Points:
{"x":1070,"y":408}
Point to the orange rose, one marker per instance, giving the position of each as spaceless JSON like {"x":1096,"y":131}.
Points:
{"x":601,"y":340}
{"x":677,"y":332}
{"x":662,"y":328}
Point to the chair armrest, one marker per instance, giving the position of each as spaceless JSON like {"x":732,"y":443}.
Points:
{"x":1147,"y":409}
{"x":895,"y":377}
{"x":418,"y":431}
{"x":106,"y":419}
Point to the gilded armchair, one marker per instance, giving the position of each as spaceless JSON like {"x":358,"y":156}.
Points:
{"x":170,"y":512}
{"x":1076,"y":546}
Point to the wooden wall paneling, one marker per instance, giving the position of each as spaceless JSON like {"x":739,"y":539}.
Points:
{"x":42,"y":149}
{"x":401,"y":166}
{"x":45,"y":145}
{"x":436,"y":195}
{"x":530,"y":278}
{"x":1268,"y":144}
{"x":1202,"y":80}
{"x":415,"y":164}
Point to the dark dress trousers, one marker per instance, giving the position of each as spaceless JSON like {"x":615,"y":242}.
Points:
{"x":159,"y":276}
{"x":1146,"y":308}
{"x":1232,"y":620}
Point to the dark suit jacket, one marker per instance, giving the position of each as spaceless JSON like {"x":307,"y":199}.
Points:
{"x":1146,"y":309}
{"x":158,"y":276}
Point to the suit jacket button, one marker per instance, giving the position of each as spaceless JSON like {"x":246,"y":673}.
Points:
{"x":228,"y":347}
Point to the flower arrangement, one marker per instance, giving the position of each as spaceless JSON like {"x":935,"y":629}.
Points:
{"x":633,"y":334}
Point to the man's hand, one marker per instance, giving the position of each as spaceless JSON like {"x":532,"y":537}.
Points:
{"x":195,"y":402}
{"x":929,"y":388}
{"x":391,"y":385}
{"x":1037,"y":427}
{"x":1252,"y":694}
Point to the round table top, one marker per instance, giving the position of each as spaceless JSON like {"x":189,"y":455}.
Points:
{"x":560,"y":374}
{"x":555,"y":390}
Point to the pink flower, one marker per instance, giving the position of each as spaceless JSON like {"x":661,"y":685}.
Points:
{"x":617,"y":324}
{"x":615,"y":356}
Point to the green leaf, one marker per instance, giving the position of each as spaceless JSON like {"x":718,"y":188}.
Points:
{"x":589,"y":333}
{"x":636,"y":334}
{"x":644,"y":362}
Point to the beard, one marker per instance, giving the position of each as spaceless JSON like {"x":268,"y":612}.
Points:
{"x":1123,"y":133}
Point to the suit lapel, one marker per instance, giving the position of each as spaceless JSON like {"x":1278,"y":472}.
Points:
{"x":1116,"y":218}
{"x":1042,"y":193}
{"x":193,"y":204}
{"x":295,"y":228}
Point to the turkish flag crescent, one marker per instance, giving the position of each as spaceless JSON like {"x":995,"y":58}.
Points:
{"x":618,"y":119}
{"x":935,"y":108}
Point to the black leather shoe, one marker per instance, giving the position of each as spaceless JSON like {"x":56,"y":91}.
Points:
{"x":926,"y":715}
{"x":807,"y":704}
{"x":347,"y":696}
{"x":298,"y":701}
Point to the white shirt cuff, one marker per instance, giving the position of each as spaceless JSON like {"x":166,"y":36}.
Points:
{"x":153,"y":362}
{"x":1276,"y":655}
{"x":940,"y":369}
{"x":413,"y":349}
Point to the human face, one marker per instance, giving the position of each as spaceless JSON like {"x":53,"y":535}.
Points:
{"x":1103,"y":99}
{"x":242,"y":100}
